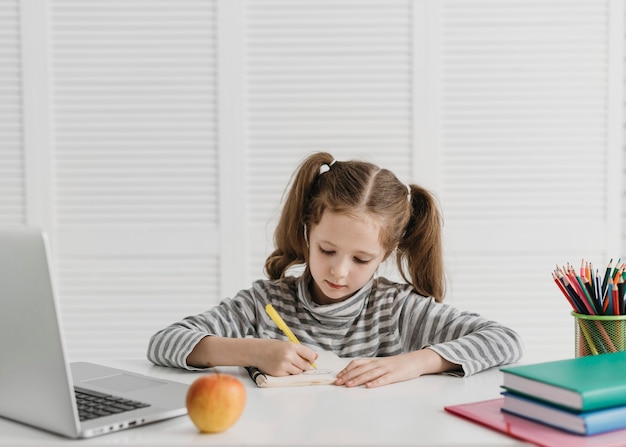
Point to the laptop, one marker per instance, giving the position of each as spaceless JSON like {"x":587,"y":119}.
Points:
{"x":38,"y":386}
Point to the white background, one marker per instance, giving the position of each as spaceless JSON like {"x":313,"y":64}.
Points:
{"x":153,"y":139}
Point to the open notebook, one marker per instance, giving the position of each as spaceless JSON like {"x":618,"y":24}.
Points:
{"x":328,"y":365}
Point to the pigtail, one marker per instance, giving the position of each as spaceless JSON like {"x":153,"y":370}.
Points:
{"x":420,"y":249}
{"x":290,"y":237}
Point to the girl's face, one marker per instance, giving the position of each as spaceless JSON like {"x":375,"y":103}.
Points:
{"x":344,"y":253}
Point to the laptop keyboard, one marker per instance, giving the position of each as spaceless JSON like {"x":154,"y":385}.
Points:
{"x":92,"y":405}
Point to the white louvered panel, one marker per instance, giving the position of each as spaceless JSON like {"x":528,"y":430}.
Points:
{"x":134,"y":114}
{"x":322,"y":75}
{"x":113,"y":306}
{"x":524,"y":156}
{"x":12,"y":195}
{"x":534,"y":118}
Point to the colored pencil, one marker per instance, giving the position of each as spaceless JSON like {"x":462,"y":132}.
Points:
{"x":590,"y":292}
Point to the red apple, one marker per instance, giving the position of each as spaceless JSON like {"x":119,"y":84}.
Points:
{"x":215,"y":402}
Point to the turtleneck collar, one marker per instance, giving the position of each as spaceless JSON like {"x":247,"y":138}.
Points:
{"x":335,"y":314}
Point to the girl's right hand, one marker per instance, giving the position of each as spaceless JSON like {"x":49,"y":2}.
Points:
{"x":282,"y":358}
{"x":275,"y":357}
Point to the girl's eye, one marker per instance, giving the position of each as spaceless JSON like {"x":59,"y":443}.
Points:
{"x":332,"y":252}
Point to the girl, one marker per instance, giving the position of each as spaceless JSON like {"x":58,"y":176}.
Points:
{"x":341,"y":220}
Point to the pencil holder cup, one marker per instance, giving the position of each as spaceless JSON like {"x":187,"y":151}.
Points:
{"x":599,"y":334}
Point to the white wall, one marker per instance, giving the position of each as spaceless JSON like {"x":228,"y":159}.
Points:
{"x":153,"y":141}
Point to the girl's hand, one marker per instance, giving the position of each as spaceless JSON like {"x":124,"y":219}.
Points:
{"x":282,"y":358}
{"x":275,"y":357}
{"x":378,"y":371}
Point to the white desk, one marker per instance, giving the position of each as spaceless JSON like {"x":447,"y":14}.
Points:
{"x":408,"y":413}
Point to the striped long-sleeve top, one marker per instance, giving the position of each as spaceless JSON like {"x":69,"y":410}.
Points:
{"x":382,"y":319}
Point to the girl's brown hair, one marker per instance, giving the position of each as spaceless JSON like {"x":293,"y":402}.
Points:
{"x":408,"y":216}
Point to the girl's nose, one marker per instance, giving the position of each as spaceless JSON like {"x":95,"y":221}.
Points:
{"x":339,"y":269}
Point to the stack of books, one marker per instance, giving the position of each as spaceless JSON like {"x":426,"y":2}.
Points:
{"x":584,"y":395}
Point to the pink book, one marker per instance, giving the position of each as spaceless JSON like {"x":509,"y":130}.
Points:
{"x":488,"y":413}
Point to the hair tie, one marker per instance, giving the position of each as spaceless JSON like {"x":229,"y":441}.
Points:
{"x":326,"y":167}
{"x":408,"y":188}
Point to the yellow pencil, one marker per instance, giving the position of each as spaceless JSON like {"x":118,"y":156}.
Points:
{"x":282,"y":325}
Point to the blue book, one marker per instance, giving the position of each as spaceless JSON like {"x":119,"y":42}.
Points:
{"x":581,"y":423}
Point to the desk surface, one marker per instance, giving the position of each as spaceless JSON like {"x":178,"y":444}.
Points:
{"x":408,"y":413}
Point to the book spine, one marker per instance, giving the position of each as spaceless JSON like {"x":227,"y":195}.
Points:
{"x":605,"y":420}
{"x":601,"y":399}
{"x":256,"y":375}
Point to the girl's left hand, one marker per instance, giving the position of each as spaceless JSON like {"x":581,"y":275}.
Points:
{"x":378,"y":371}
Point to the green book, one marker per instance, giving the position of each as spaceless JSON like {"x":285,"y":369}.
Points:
{"x":581,"y":384}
